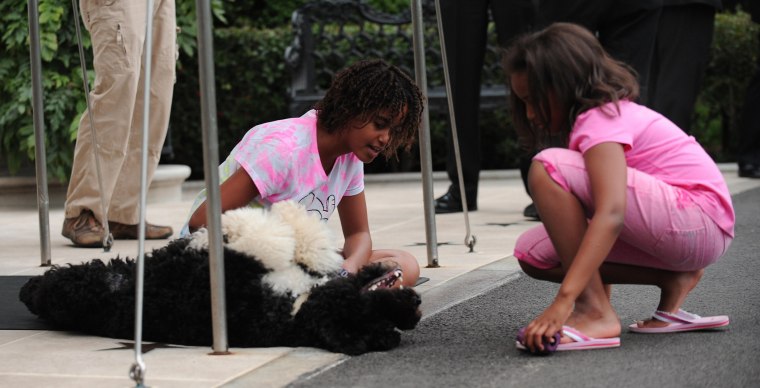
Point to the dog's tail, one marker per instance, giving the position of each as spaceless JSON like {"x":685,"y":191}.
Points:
{"x":28,"y":293}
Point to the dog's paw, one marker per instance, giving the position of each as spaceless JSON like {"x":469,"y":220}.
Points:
{"x":198,"y":240}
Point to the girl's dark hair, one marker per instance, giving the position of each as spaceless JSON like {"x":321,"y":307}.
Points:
{"x":366,"y":89}
{"x":567,"y":60}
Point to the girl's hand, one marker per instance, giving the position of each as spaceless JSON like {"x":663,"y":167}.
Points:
{"x":349,"y":266}
{"x":546,"y":325}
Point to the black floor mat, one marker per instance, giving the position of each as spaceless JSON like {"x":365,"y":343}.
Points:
{"x":13,"y":314}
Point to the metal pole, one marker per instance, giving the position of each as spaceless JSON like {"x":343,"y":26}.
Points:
{"x":210,"y":169}
{"x":469,"y":239}
{"x":138,"y":368}
{"x":40,"y":162}
{"x":426,"y":160}
{"x":107,"y":237}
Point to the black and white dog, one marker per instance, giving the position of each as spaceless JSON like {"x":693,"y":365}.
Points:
{"x":281,"y":290}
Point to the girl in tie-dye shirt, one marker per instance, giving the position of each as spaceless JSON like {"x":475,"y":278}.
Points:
{"x":317,"y":159}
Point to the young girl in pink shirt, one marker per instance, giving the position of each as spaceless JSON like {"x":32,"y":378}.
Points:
{"x":371,"y":108}
{"x":629,"y":199}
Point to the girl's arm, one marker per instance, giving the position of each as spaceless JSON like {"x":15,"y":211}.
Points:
{"x":357,"y":247}
{"x":607,"y":170}
{"x":235,"y":192}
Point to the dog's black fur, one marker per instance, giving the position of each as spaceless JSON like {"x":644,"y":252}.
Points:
{"x":98,"y":298}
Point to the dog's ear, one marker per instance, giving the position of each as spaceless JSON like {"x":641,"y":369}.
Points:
{"x":258,"y":233}
{"x":315,"y":246}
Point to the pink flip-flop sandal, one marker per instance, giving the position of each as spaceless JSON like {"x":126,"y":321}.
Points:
{"x":581,"y":341}
{"x":681,"y":321}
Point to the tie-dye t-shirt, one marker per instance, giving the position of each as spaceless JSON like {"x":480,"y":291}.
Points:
{"x":282,"y":159}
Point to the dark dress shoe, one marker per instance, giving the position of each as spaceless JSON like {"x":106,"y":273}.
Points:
{"x":749,"y":170}
{"x":447,"y":203}
{"x":129,"y":232}
{"x":531,"y":212}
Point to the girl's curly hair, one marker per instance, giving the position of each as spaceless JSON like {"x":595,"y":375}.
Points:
{"x":567,"y":60}
{"x":366,"y":89}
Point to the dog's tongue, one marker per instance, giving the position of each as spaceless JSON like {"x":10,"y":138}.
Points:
{"x":387,"y":280}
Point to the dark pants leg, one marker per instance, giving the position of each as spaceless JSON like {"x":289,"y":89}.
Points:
{"x":682,"y":48}
{"x":465,"y":25}
{"x":630,"y":37}
{"x":626,"y":29}
{"x":465,"y":29}
{"x":748,"y":152}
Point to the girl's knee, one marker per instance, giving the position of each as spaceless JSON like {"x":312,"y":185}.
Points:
{"x":405,"y":260}
{"x":555,"y":155}
{"x":411,"y":268}
{"x":528,"y":269}
{"x":536,"y":173}
{"x":554,"y":167}
{"x":555,"y":274}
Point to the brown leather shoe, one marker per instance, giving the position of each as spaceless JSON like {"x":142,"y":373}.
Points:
{"x":84,"y":230}
{"x":129,"y":232}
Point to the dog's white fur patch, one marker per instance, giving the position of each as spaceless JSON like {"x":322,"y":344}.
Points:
{"x":315,"y":243}
{"x":293,"y":280}
{"x":281,"y":239}
{"x":260,"y":233}
{"x":198,"y":240}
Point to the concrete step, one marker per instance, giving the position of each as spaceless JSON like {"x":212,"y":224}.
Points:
{"x":21,"y":191}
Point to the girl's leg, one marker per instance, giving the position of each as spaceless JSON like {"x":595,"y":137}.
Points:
{"x":564,"y":218}
{"x":405,"y":260}
{"x":674,"y":286}
{"x":539,"y":260}
{"x":666,"y":241}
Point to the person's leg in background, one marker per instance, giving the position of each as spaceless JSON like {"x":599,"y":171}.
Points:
{"x":465,"y":32}
{"x":117,"y":70}
{"x":587,"y":13}
{"x":626,"y":28}
{"x":513,"y":18}
{"x":467,"y":22}
{"x":748,"y":152}
{"x":628,"y":33}
{"x":124,"y":211}
{"x":682,"y":48}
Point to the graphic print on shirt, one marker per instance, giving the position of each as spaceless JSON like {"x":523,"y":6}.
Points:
{"x":316,"y":206}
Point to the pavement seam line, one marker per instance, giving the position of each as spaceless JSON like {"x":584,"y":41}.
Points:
{"x":498,"y":283}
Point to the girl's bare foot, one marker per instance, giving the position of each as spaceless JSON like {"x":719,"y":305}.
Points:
{"x":673,"y":293}
{"x":594,"y":324}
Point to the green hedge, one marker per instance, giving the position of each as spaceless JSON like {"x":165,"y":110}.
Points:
{"x":62,"y":85}
{"x":733,"y":59}
{"x":251,"y":88}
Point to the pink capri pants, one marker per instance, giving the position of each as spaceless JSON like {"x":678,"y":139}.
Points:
{"x":663,"y":228}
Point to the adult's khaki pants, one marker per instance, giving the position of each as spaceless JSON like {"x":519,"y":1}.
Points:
{"x":117,"y":30}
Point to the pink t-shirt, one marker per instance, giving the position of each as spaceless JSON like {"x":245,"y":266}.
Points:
{"x":656,"y":146}
{"x":282,"y":159}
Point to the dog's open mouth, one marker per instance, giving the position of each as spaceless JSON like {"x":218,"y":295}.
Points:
{"x":386,"y":281}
